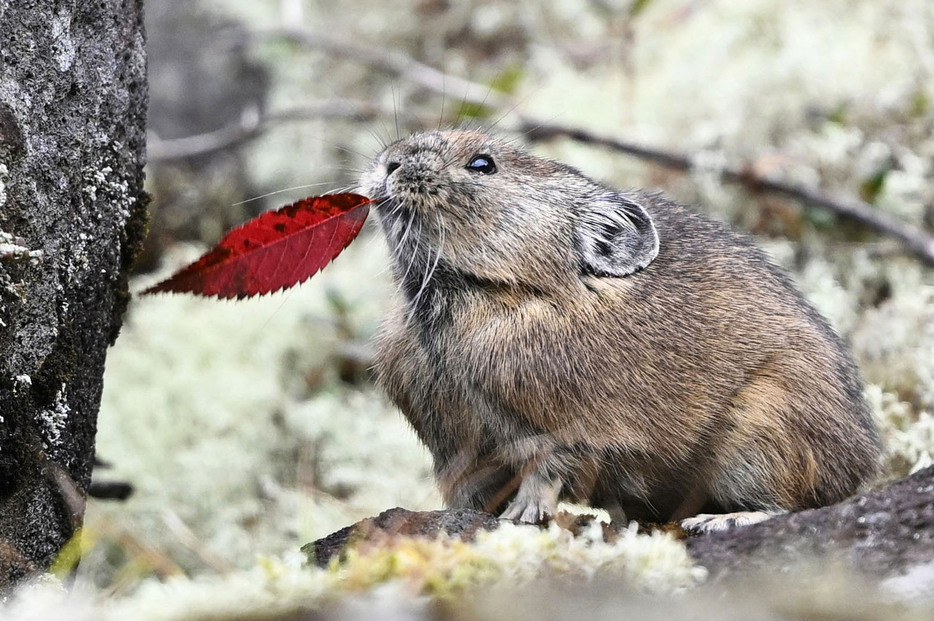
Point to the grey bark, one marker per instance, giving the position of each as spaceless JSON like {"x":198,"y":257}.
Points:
{"x":72,"y":215}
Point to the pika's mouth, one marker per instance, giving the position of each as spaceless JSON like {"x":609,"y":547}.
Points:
{"x":383,"y":203}
{"x":390,"y":209}
{"x":374,"y":186}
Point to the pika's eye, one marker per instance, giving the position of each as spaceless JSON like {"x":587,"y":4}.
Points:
{"x":482,"y":164}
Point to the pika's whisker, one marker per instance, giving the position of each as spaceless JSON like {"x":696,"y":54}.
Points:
{"x":350,"y":187}
{"x":418,"y":241}
{"x":283,"y":190}
{"x":434,"y":266}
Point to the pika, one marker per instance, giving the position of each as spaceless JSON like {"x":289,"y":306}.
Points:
{"x":554,"y":339}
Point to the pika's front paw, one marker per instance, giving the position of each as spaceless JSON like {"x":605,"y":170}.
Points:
{"x":712,"y":522}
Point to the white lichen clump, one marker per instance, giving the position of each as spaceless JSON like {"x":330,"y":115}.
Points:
{"x":64,"y":45}
{"x":271,"y":587}
{"x":908,"y":437}
{"x":53,"y":420}
{"x":46,"y":598}
{"x":13,"y":249}
{"x":4,"y":171}
{"x":655,"y":562}
{"x":896,"y":345}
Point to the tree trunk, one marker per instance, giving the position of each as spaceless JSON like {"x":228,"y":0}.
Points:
{"x":72,"y":216}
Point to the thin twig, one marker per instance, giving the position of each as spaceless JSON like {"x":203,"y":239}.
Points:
{"x":392,"y":62}
{"x":253,"y":124}
{"x":914,"y":239}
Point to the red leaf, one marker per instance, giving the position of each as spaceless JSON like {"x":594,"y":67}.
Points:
{"x":275,"y":250}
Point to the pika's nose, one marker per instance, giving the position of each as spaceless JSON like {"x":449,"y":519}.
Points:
{"x":391,"y":167}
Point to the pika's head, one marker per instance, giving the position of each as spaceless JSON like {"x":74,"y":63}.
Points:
{"x":492,"y":211}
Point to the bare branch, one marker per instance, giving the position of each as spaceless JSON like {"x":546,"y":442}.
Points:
{"x":251,"y":125}
{"x":391,"y":62}
{"x":912,"y":238}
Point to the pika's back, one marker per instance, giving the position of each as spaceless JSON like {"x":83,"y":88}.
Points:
{"x":557,"y":338}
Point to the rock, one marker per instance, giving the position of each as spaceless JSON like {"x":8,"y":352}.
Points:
{"x":463,"y":523}
{"x":880,"y":533}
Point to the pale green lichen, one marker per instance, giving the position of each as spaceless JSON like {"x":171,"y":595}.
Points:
{"x":402,"y":569}
{"x":270,"y":588}
{"x":895,"y":342}
{"x":519,"y":555}
{"x":908,"y":436}
{"x":442,"y":567}
{"x":655,"y":562}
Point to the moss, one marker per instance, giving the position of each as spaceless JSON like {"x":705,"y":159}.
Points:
{"x":441,"y":568}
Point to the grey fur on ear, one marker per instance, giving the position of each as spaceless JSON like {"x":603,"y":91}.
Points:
{"x":615,"y":236}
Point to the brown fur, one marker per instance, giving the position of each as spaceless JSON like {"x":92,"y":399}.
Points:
{"x":704,"y":375}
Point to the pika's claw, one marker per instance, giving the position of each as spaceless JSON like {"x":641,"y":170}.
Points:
{"x":528,"y":513}
{"x":536,"y":500}
{"x":712,"y":522}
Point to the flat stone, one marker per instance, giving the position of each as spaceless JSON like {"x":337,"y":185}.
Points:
{"x":462,"y":523}
{"x":881,"y":533}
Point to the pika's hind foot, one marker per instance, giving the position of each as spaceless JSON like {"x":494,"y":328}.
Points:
{"x":536,"y":500}
{"x":712,"y":522}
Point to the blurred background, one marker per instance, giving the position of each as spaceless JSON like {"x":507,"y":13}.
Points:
{"x":248,"y":429}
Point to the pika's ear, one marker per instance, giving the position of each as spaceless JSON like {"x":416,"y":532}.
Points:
{"x":615,"y":237}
